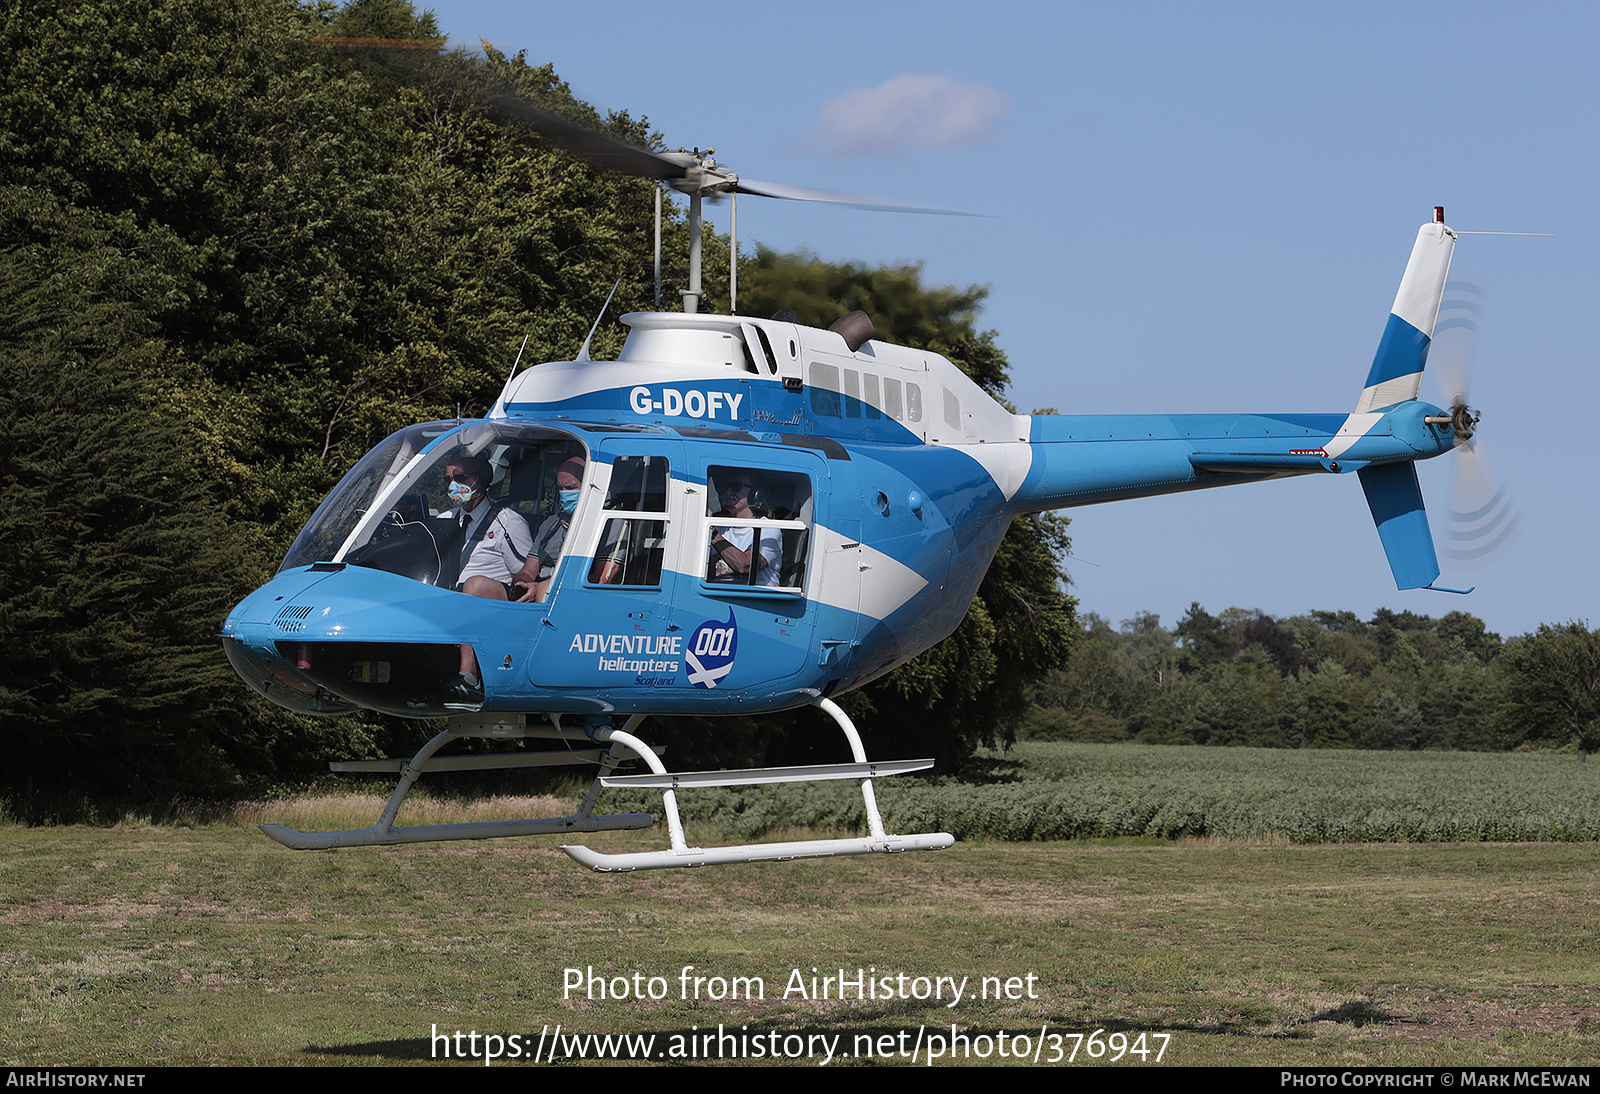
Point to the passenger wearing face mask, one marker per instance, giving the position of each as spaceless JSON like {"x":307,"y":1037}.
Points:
{"x":552,"y":535}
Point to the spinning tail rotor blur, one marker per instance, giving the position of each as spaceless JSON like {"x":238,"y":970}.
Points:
{"x":1483,"y":522}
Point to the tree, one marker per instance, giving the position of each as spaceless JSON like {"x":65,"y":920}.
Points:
{"x":383,"y":19}
{"x":118,"y":551}
{"x":1552,"y":685}
{"x":357,"y":243}
{"x":938,"y":318}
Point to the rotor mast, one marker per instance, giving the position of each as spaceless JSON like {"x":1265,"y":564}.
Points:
{"x":701,"y":177}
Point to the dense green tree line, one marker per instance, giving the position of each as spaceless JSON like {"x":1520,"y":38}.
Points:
{"x":1325,"y":680}
{"x":234,"y":256}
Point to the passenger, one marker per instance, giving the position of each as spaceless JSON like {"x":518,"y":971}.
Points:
{"x":732,"y":553}
{"x":547,"y":545}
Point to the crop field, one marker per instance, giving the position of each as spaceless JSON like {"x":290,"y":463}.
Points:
{"x":1053,"y":791}
{"x":190,"y":939}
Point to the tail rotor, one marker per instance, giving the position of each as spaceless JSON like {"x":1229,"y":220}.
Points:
{"x":1483,"y":522}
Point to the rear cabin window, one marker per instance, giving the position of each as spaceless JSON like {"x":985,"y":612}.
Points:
{"x":825,"y":390}
{"x":758,"y":528}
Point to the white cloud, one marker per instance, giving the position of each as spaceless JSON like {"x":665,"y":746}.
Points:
{"x":909,"y":114}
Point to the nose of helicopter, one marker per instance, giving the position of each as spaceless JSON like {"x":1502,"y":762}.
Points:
{"x":330,"y":639}
{"x":250,"y":637}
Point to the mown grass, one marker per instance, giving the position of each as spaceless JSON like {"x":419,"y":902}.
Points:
{"x":198,"y":941}
{"x":140,"y":946}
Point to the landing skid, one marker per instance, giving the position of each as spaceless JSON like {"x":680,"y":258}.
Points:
{"x":755,"y":852}
{"x":622,"y":742}
{"x":384,"y":833}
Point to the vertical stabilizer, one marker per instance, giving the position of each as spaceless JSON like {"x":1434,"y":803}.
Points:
{"x":1397,"y":369}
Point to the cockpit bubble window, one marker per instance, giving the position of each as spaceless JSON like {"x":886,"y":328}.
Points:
{"x":391,"y":512}
{"x":758,"y":528}
{"x":330,"y":525}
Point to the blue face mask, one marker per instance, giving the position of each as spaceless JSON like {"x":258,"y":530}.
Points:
{"x":460,"y":492}
{"x":569,"y":500}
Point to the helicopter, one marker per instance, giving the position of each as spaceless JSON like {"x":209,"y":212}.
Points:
{"x":871,"y":487}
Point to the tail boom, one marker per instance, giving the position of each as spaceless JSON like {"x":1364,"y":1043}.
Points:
{"x":1082,"y":460}
{"x":1087,"y":459}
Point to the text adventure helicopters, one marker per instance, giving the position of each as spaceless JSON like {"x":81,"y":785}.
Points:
{"x":758,"y":516}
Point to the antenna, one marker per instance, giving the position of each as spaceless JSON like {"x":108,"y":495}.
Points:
{"x":583,"y":351}
{"x":498,"y":409}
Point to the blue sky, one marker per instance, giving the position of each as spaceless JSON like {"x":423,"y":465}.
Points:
{"x":1193,"y":207}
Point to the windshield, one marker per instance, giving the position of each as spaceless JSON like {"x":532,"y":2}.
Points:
{"x":330,"y":525}
{"x":393,"y":510}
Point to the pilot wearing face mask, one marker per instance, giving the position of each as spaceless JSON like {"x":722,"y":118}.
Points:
{"x":495,"y":561}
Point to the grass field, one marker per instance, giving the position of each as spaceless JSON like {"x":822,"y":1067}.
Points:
{"x":142,"y":944}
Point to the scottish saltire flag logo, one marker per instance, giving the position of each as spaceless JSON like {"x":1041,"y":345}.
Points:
{"x":711,"y":650}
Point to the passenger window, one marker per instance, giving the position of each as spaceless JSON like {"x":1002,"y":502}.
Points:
{"x":852,"y":392}
{"x":758,"y":528}
{"x":631,"y":551}
{"x":891,"y":398}
{"x":638,"y":484}
{"x":824,"y":389}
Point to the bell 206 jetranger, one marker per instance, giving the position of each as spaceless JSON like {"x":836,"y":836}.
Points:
{"x":870,"y":483}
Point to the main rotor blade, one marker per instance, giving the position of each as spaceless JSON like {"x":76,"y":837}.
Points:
{"x":705,"y":177}
{"x":597,"y":148}
{"x":835,"y":197}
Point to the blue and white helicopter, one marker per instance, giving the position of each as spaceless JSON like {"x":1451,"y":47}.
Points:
{"x":878,"y":483}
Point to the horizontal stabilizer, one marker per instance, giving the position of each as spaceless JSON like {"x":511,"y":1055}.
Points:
{"x":1396,"y":503}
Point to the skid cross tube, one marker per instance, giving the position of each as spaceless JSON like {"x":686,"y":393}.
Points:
{"x":682,"y":855}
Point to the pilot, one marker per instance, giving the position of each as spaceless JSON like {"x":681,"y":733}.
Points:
{"x":732,"y":553}
{"x":496,"y":546}
{"x":496,"y":559}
